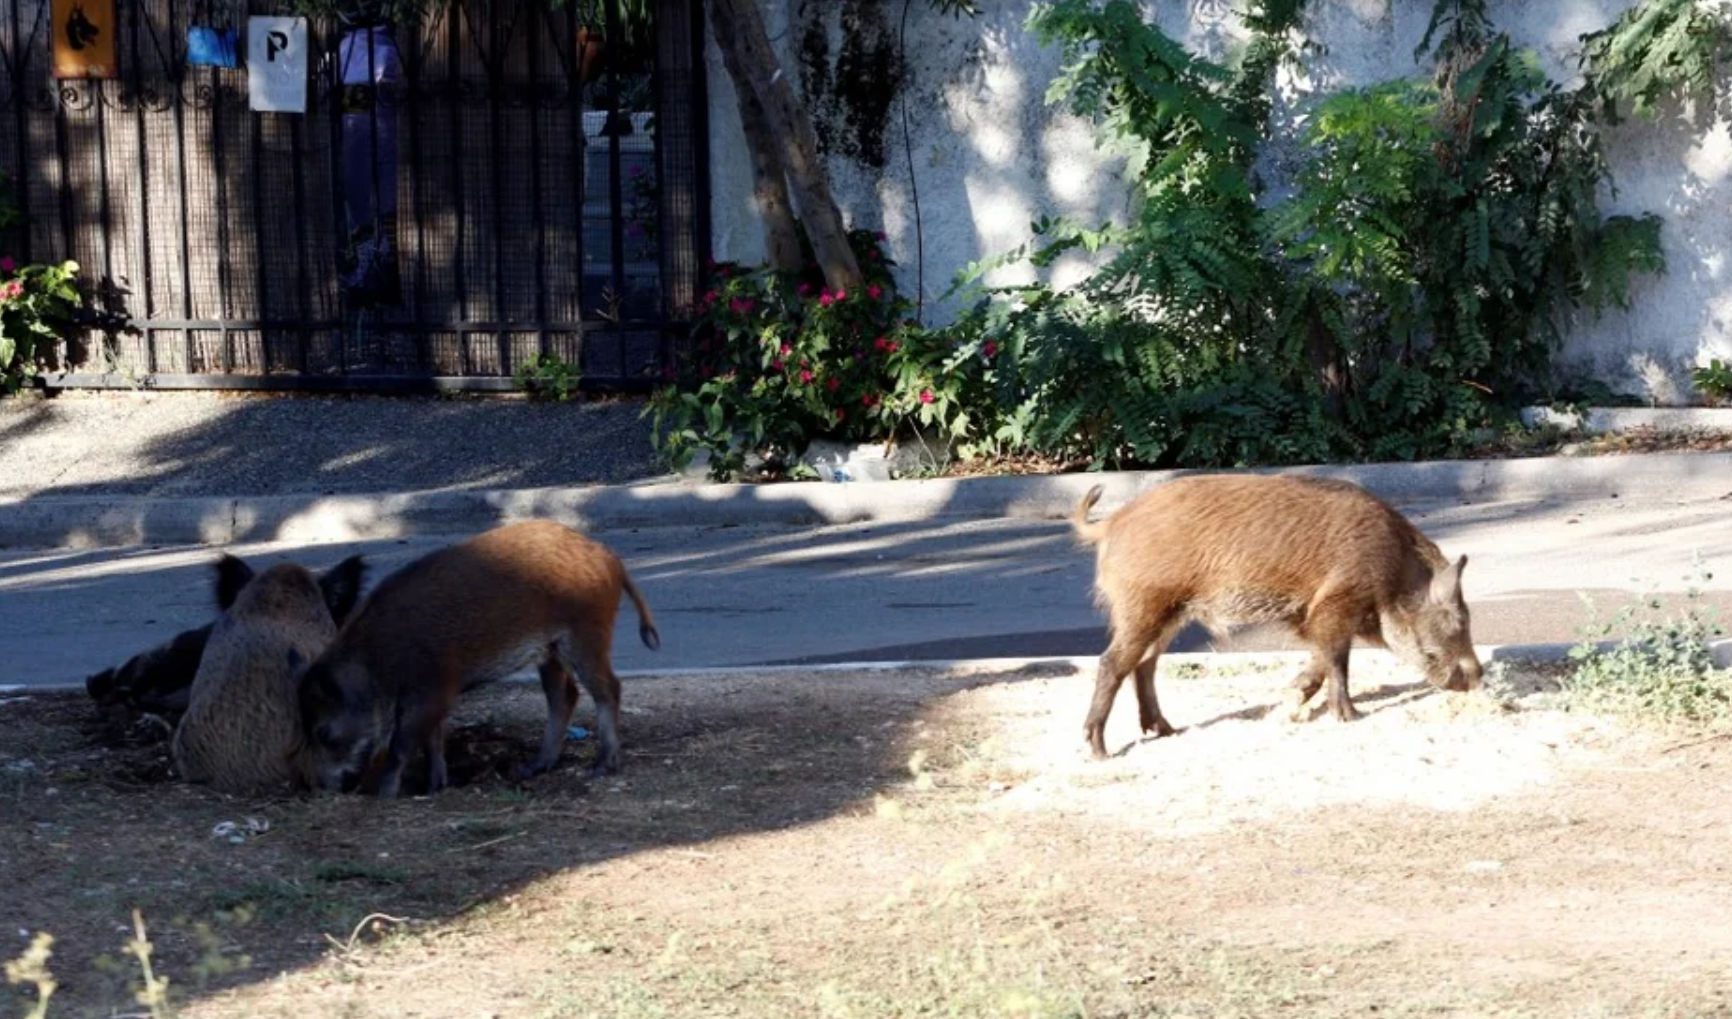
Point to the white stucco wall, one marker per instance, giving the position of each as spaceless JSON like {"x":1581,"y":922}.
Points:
{"x":990,"y":156}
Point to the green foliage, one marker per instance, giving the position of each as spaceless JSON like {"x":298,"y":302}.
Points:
{"x":549,"y":377}
{"x":779,"y":360}
{"x":1406,"y":293}
{"x":1656,"y":50}
{"x":1714,"y":379}
{"x":37,"y":306}
{"x":1662,"y":666}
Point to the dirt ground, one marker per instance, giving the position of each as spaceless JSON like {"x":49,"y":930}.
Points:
{"x":907,"y":844}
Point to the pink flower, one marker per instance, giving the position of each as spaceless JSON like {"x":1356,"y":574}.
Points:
{"x":710,"y":297}
{"x":805,"y":376}
{"x":741,"y":305}
{"x":13,"y":288}
{"x":885,"y":345}
{"x":787,"y":348}
{"x":776,"y":365}
{"x":6,"y":264}
{"x":832,"y":383}
{"x":841,"y":414}
{"x":825,"y":299}
{"x":869,"y":399}
{"x":804,"y":289}
{"x":841,"y":295}
{"x":875,"y":291}
{"x":926,"y":396}
{"x":990,"y":349}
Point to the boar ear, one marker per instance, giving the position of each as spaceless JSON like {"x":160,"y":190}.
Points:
{"x":232,"y":575}
{"x":341,"y":585}
{"x":1446,"y":583}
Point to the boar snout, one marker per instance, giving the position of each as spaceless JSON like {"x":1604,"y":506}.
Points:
{"x":1467,"y":676}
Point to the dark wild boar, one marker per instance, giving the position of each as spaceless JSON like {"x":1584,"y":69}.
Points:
{"x":1324,"y":558}
{"x":522,"y":594}
{"x":159,"y":681}
{"x":242,"y":728}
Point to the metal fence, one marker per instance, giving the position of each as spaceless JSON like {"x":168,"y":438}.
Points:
{"x":459,"y":196}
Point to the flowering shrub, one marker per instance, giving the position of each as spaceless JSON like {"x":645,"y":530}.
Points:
{"x":37,"y":304}
{"x":780,"y":360}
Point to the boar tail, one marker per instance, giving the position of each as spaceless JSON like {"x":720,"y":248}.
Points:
{"x":646,"y":624}
{"x":1079,"y":520}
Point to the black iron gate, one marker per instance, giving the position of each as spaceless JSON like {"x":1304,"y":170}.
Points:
{"x":500,"y":181}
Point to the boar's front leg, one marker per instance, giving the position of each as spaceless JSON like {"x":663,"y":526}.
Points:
{"x":1330,"y":623}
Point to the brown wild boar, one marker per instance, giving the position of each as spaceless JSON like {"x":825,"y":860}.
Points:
{"x":1324,"y":558}
{"x":528,"y":593}
{"x":242,"y":730}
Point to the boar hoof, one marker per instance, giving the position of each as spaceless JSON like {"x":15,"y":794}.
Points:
{"x":1159,"y":727}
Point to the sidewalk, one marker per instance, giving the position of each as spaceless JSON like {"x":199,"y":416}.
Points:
{"x":116,"y":471}
{"x":200,"y":445}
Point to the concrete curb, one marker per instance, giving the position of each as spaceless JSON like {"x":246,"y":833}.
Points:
{"x":88,"y":521}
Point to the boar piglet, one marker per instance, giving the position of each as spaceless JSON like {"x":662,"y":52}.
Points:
{"x":242,"y":728}
{"x":530,"y":593}
{"x":1326,"y":559}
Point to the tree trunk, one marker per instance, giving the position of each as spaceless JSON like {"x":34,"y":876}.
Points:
{"x":1326,"y":361}
{"x":769,"y":177}
{"x":795,"y":141}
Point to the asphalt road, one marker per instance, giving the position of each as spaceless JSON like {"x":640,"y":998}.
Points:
{"x":735,"y":596}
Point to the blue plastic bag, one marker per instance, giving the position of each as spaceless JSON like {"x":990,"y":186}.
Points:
{"x":212,"y":47}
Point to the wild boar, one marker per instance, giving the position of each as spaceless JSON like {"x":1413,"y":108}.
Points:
{"x":242,"y":730}
{"x":527,"y":593}
{"x":1326,"y":559}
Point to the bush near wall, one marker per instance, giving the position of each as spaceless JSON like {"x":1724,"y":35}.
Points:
{"x":1403,"y":298}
